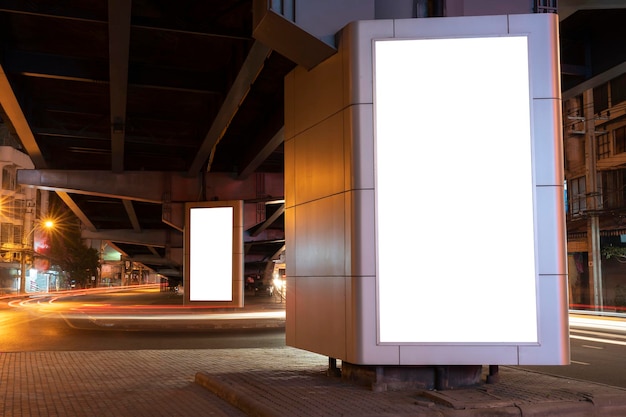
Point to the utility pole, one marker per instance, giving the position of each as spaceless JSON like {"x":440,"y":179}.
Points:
{"x":593,"y":195}
{"x":27,"y":230}
{"x":23,"y":271}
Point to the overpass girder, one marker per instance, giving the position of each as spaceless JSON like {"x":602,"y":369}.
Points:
{"x":158,"y":238}
{"x":154,"y":186}
{"x":148,"y":186}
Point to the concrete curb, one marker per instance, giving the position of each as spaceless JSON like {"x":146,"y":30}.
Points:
{"x":229,"y":393}
{"x":200,"y":326}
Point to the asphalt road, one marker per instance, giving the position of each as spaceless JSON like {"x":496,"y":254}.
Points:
{"x":598,"y":351}
{"x":73,"y":322}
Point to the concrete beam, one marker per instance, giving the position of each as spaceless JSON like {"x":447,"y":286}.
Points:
{"x":153,"y":237}
{"x":268,"y":222}
{"x":173,"y":214}
{"x":113,"y":246}
{"x":148,"y":186}
{"x":278,"y":252}
{"x":263,"y":154}
{"x":65,"y":197}
{"x":119,"y":41}
{"x":287,"y":38}
{"x":132,"y":215}
{"x":221,"y":186}
{"x":16,"y":117}
{"x":169,"y":264}
{"x":153,"y":186}
{"x":241,"y":86}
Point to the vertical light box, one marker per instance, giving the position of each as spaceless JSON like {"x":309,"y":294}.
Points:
{"x":214,"y":253}
{"x":453,"y":122}
{"x":455,"y":238}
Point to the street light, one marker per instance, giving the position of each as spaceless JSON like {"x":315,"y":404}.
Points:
{"x":45,"y":224}
{"x":30,"y":214}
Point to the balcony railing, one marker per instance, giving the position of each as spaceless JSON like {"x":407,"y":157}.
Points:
{"x":546,"y":6}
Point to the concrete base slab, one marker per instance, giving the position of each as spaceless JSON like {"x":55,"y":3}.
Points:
{"x":309,"y":390}
{"x":393,"y":378}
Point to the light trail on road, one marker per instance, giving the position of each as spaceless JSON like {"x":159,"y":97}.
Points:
{"x":123,"y":311}
{"x":608,"y":330}
{"x":190,"y":316}
{"x":605,"y":323}
{"x":599,"y":340}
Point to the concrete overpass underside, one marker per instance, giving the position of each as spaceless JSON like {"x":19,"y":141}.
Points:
{"x":129,"y":109}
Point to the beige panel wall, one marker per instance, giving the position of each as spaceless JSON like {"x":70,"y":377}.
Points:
{"x":329,"y":197}
{"x":320,"y":249}
{"x":315,"y":217}
{"x":312,"y":96}
{"x":321,"y":313}
{"x":319,"y":160}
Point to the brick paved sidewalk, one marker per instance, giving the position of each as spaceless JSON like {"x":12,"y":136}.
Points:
{"x":262,"y":383}
{"x":109,"y":383}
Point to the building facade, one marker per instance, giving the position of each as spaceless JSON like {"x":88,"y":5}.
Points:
{"x":21,"y":239}
{"x":595,"y":160}
{"x":593,"y":85}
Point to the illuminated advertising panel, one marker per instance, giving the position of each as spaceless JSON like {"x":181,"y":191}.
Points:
{"x":454,"y":244}
{"x":454,"y":186}
{"x":213,"y":253}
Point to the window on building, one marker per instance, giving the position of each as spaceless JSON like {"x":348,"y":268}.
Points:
{"x":601,"y":98}
{"x":577,"y":194}
{"x":8,"y":178}
{"x":604,"y":146}
{"x":6,"y":233}
{"x":11,"y":210}
{"x":545,"y":6}
{"x":618,"y":89}
{"x":619,"y":136}
{"x":614,"y":188}
{"x":17,"y":233}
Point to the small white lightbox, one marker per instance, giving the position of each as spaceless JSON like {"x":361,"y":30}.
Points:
{"x":213,"y":266}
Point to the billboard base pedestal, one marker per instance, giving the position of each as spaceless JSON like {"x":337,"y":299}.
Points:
{"x":397,"y":378}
